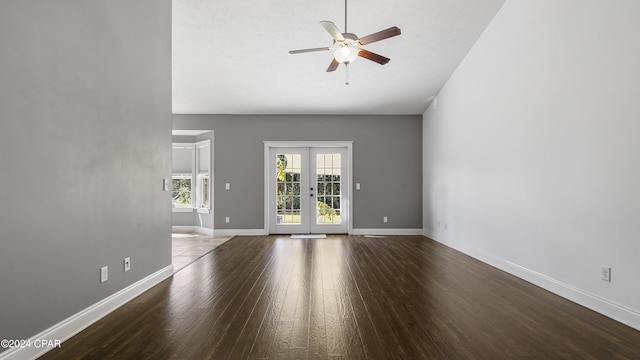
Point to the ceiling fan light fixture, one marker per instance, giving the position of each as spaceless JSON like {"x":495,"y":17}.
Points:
{"x":346,"y":54}
{"x":347,"y":46}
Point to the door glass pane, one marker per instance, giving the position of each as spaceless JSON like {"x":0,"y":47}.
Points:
{"x":328,"y":185}
{"x":288,"y":169}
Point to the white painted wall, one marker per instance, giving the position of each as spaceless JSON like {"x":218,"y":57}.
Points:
{"x":531,"y":150}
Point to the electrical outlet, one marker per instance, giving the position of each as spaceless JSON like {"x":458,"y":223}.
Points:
{"x":606,"y":273}
{"x":127,"y":264}
{"x":104,"y":274}
{"x":227,"y":186}
{"x":385,"y":219}
{"x":227,"y":220}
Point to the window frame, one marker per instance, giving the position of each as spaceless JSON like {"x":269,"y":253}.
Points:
{"x":198,"y":175}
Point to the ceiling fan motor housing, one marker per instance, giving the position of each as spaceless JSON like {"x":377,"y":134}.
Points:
{"x":350,"y":36}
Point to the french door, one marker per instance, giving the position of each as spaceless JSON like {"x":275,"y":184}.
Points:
{"x":308,"y":189}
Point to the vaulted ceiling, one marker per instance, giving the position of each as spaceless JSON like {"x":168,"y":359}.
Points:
{"x":231,"y":57}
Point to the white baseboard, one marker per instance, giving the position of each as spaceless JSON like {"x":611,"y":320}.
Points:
{"x":259,"y":232}
{"x":387,"y":231}
{"x":69,"y":327}
{"x":591,"y":301}
{"x":197,"y":229}
{"x":239,"y":232}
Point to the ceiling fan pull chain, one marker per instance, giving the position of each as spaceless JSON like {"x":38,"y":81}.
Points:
{"x":346,"y":74}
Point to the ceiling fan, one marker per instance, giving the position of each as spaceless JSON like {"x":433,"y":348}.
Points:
{"x":347,"y":46}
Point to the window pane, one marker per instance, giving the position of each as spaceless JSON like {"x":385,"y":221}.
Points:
{"x":328,"y":184}
{"x":204,"y":156}
{"x":181,"y":191}
{"x":288,"y":188}
{"x":203,"y":194}
{"x":182,"y":158}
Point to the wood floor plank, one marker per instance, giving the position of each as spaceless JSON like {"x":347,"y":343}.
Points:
{"x":266,"y":336}
{"x":317,"y":325}
{"x":367,"y":273}
{"x":348,"y":323}
{"x":265,"y":339}
{"x":348,"y":297}
{"x":262,"y":313}
{"x":299,"y":347}
{"x":239,"y":318}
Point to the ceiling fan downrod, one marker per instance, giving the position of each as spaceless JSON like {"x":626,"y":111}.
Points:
{"x":346,"y":65}
{"x":345,"y":16}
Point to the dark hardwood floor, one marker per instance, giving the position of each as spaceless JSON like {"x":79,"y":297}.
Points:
{"x":350,"y":297}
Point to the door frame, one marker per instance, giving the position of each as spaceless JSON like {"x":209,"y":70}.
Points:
{"x":320,"y":144}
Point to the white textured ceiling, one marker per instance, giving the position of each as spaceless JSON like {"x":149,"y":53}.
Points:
{"x":231,"y":57}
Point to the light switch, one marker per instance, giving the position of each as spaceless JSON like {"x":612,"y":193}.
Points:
{"x":227,"y":186}
{"x":357,"y":186}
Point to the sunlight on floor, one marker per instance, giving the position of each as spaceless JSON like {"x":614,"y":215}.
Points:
{"x":184,"y":235}
{"x":189,"y":247}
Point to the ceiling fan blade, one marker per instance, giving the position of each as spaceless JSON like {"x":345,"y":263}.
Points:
{"x":333,"y":66}
{"x":300,"y":51}
{"x":380,"y":35}
{"x":373,"y":57}
{"x":332,"y":29}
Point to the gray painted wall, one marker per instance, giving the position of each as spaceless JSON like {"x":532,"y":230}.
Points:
{"x":183,"y":219}
{"x":85,"y":141}
{"x":183,"y":139}
{"x":387,"y":154}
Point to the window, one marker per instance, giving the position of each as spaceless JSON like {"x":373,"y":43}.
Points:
{"x":191,"y":185}
{"x":182,"y":177}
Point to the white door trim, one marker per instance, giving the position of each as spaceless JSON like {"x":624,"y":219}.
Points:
{"x":283,"y":144}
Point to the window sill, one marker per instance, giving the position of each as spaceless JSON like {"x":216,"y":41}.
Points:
{"x":175,"y":209}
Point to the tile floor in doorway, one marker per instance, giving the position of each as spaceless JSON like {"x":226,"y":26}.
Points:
{"x":187,"y":247}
